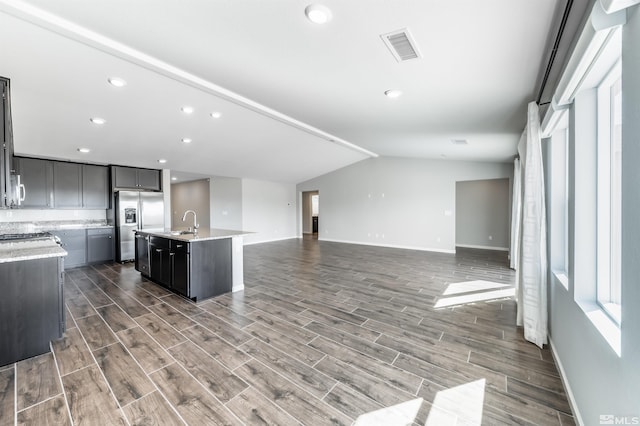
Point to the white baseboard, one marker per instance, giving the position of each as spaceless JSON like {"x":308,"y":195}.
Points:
{"x":270,"y":241}
{"x":483,"y":247}
{"x":567,"y":387}
{"x":438,"y":250}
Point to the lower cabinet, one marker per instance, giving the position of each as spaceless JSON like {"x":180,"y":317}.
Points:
{"x":142,"y":254}
{"x":197,"y":270}
{"x":74,"y":241}
{"x":160,"y":260}
{"x":31,"y":307}
{"x":180,"y":267}
{"x":100,"y":245}
{"x":84,"y":246}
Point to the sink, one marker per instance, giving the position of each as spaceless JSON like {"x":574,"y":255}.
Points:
{"x":181,"y":232}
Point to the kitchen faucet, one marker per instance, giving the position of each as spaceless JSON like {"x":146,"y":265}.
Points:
{"x":195,"y":220}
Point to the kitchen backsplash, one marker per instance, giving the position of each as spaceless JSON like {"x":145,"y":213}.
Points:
{"x":15,"y":215}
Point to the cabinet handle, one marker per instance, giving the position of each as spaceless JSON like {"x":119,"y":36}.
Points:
{"x":178,"y":245}
{"x":172,"y":254}
{"x":158,"y":250}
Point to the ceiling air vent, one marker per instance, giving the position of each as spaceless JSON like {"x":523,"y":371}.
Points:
{"x":401,"y":45}
{"x":459,"y":141}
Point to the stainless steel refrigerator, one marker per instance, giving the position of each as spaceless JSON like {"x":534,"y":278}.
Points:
{"x":136,"y":211}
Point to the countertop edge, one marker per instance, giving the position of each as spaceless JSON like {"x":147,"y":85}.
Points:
{"x":43,"y":254}
{"x":190,"y":238}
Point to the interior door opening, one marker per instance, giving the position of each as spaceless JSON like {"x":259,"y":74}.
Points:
{"x":311,"y":214}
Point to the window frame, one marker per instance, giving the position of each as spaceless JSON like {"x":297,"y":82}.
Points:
{"x":609,"y":199}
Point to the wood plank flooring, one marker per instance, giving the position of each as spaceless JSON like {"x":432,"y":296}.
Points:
{"x":324,"y":333}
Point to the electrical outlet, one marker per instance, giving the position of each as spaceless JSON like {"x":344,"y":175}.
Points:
{"x":490,"y":237}
{"x":438,"y":239}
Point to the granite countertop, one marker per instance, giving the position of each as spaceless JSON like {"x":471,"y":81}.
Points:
{"x":204,"y":234}
{"x":14,"y":251}
{"x":50,"y":225}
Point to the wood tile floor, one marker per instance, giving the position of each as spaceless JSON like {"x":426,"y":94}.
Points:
{"x":324,"y":333}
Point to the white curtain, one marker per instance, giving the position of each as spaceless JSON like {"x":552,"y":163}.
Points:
{"x":531,"y":281}
{"x":516,"y":204}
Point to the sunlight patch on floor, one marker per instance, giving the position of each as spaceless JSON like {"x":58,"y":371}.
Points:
{"x":473,"y":291}
{"x":469,"y":286}
{"x":460,"y":405}
{"x":395,"y":415}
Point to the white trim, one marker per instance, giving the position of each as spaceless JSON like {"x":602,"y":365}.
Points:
{"x":84,"y":35}
{"x":237,"y":264}
{"x":606,"y":327}
{"x":611,"y":6}
{"x":594,"y":36}
{"x":437,"y":250}
{"x":483,"y":247}
{"x":271,"y":241}
{"x":565,"y":382}
{"x":553,"y":119}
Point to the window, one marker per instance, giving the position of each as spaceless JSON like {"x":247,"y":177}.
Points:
{"x":559,"y":201}
{"x":609,"y":193}
{"x":315,"y":204}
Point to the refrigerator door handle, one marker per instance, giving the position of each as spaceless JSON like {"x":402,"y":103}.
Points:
{"x":22,"y":191}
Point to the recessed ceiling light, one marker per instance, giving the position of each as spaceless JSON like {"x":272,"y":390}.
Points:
{"x":187,"y":109}
{"x":318,"y":14}
{"x":84,"y":150}
{"x":174,"y":178}
{"x":162,"y":161}
{"x":118,"y":82}
{"x":393,"y":93}
{"x":97,"y":120}
{"x":216,"y":114}
{"x":186,"y":140}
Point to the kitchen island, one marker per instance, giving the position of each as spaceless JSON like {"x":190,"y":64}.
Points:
{"x":32,"y":303}
{"x":198,"y":266}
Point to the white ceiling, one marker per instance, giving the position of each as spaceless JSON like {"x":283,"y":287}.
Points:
{"x":263,"y":65}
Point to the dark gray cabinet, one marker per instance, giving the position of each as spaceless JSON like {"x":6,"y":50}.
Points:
{"x":132,"y":178}
{"x":142,"y":254}
{"x":7,"y":196}
{"x":31,"y":307}
{"x":67,"y":185}
{"x":197,"y":270}
{"x":74,"y":241}
{"x":160,"y":260}
{"x":100,"y":245}
{"x":180,"y":267}
{"x":37,"y":177}
{"x":95,"y":187}
{"x":63,"y":185}
{"x":149,"y":179}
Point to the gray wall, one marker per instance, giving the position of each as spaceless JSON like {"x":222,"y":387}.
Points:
{"x":226,"y":203}
{"x":600,"y":381}
{"x":194,"y":196}
{"x":268,"y":210}
{"x":396,"y":202}
{"x":483,"y":214}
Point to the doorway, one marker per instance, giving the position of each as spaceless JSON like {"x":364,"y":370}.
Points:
{"x":483,"y":214}
{"x":310,"y":214}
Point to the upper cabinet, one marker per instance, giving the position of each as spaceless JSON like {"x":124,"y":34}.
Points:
{"x":95,"y":187}
{"x":140,"y":179}
{"x":37,"y":177}
{"x":67,"y":185}
{"x":63,"y":185}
